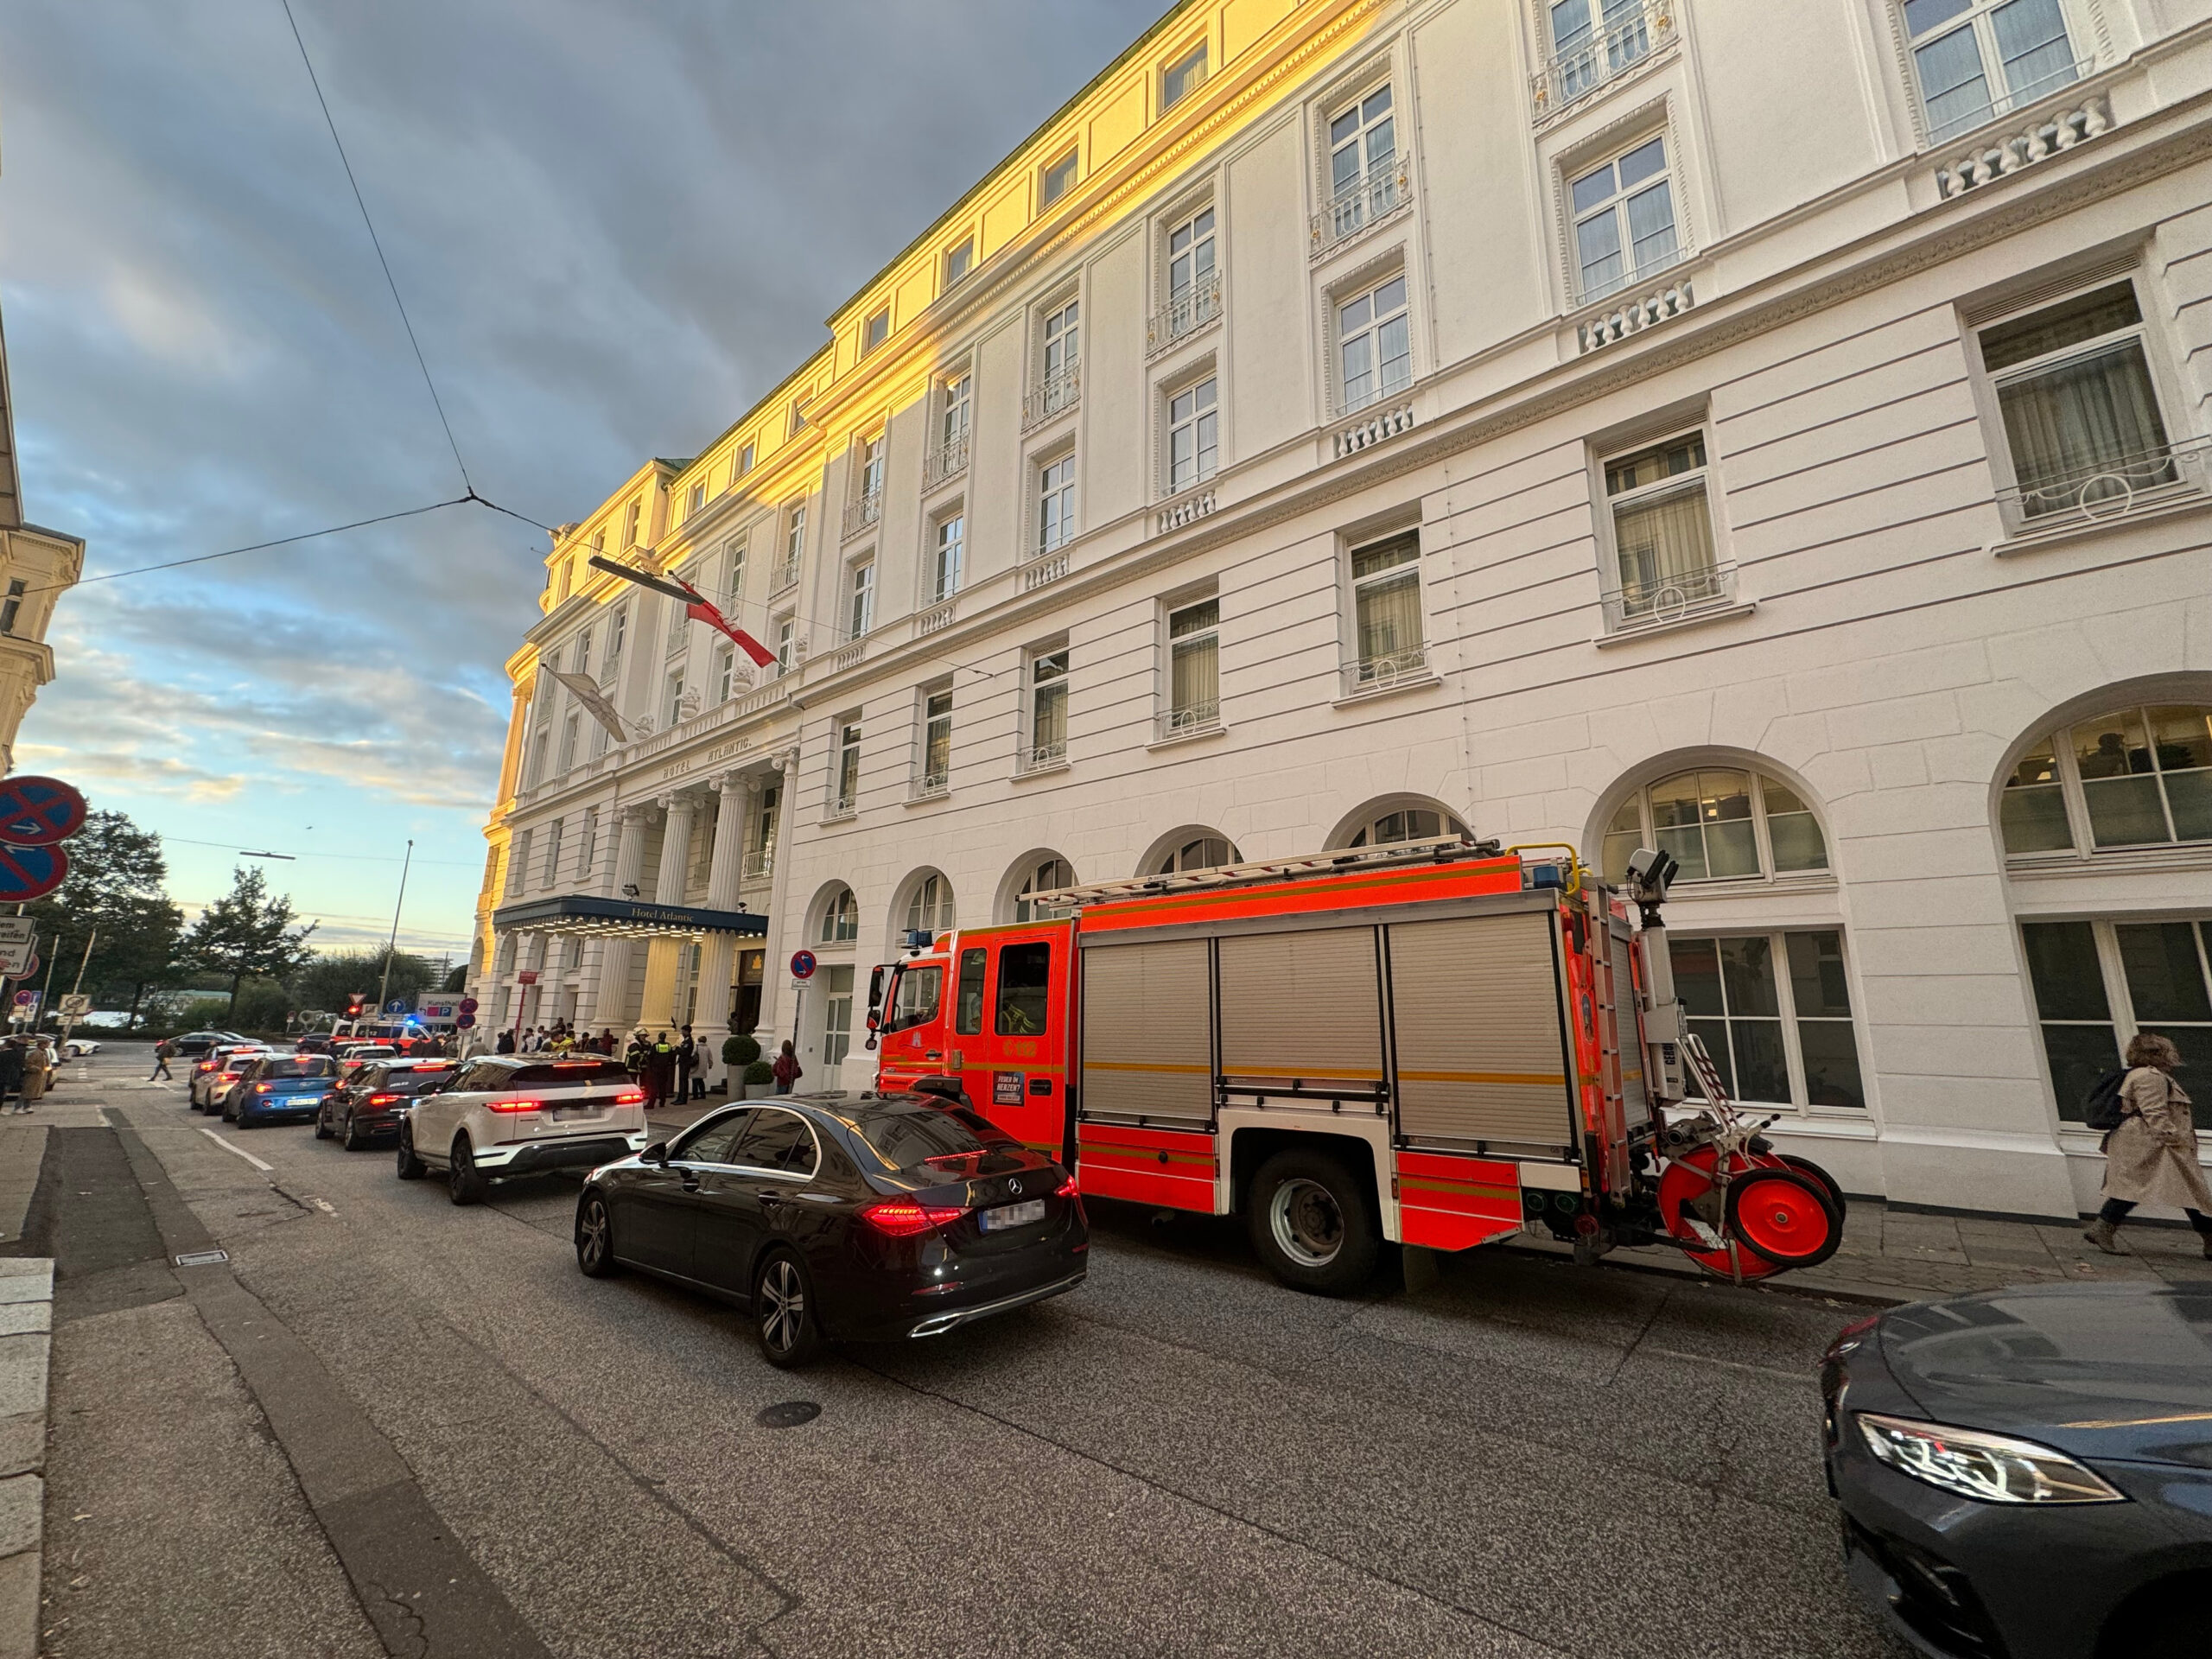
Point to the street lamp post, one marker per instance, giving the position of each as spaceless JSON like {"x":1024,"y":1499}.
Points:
{"x":393,"y":944}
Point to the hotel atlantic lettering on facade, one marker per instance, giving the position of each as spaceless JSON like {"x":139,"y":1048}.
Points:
{"x":1778,"y":434}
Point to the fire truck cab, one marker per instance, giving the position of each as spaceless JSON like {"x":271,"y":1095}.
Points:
{"x":1437,"y":1044}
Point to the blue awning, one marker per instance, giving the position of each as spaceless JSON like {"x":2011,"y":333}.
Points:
{"x":584,"y":913}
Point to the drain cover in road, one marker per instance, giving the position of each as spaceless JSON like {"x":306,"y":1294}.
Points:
{"x":790,"y":1414}
{"x":203,"y":1258}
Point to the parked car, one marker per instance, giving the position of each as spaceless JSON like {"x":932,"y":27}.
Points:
{"x":511,"y":1114}
{"x":216,"y":1070}
{"x":2028,"y":1472}
{"x":316,"y":1042}
{"x":367,"y":1107}
{"x":352,"y":1056}
{"x":278,"y":1088}
{"x":874,"y":1218}
{"x":77,"y":1048}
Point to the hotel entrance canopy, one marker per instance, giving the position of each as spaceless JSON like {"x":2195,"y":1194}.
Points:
{"x":624,"y":918}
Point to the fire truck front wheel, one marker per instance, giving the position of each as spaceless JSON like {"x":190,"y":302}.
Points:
{"x":1312,"y":1222}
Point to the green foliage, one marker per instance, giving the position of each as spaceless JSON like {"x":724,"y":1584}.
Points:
{"x":261,"y":1006}
{"x":760,"y":1071}
{"x":457,"y":981}
{"x":247,"y":933}
{"x":204,"y":1014}
{"x":739,"y":1050}
{"x":325,"y":980}
{"x":113,"y":895}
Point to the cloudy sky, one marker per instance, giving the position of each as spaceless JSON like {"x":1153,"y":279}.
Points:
{"x":615,"y":225}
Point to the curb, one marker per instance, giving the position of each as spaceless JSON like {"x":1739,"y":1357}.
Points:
{"x":26,"y":1327}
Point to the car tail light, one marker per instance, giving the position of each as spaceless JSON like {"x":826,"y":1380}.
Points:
{"x":514,"y":1105}
{"x":903,"y":1217}
{"x":631,"y":1097}
{"x":260,"y":1088}
{"x":1065,"y":1190}
{"x":382,"y":1100}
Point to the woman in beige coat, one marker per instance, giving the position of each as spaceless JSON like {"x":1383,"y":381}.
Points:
{"x":2152,"y":1156}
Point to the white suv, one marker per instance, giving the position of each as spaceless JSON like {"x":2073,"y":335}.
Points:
{"x":521,"y":1114}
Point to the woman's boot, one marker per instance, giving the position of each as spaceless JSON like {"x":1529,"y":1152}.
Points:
{"x":2100,"y":1232}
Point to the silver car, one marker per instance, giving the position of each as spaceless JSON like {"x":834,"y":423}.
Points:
{"x":511,"y":1114}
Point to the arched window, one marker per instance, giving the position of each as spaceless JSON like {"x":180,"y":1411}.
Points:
{"x":930,"y":909}
{"x":1200,"y":853}
{"x":1049,"y":876}
{"x":1408,"y":823}
{"x":2140,"y":777}
{"x":840,"y":918}
{"x":1720,"y":824}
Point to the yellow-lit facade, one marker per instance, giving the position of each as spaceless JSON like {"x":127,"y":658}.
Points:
{"x":1343,"y":421}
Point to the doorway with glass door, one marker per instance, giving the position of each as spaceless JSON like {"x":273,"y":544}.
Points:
{"x":836,"y":1023}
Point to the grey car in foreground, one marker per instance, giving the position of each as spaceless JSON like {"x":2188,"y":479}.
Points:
{"x":2027,"y":1474}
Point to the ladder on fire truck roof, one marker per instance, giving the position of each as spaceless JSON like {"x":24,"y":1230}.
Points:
{"x":1432,"y":849}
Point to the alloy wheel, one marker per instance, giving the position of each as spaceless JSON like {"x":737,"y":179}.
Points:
{"x":591,"y":1236}
{"x":783,"y":1304}
{"x":1308,"y":1225}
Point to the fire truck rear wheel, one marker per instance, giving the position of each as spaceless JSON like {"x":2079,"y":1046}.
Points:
{"x":1313,"y":1224}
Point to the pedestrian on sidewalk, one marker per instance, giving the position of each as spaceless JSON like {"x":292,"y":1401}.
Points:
{"x":2152,"y":1156}
{"x":11,"y":1074}
{"x":38,"y":1072}
{"x":788,"y":1071}
{"x":687,"y":1062}
{"x":163,"y":1050}
{"x":660,"y":1067}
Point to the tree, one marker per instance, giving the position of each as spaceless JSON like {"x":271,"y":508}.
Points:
{"x":113,"y":894}
{"x":324,"y":981}
{"x":247,"y":933}
{"x":457,"y":981}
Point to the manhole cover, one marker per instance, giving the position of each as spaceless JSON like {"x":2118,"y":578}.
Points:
{"x":203,"y":1258}
{"x":790,"y":1414}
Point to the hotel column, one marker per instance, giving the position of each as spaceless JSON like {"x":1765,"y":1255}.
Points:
{"x":612,"y":1008}
{"x":656,"y":1009}
{"x":718,"y":962}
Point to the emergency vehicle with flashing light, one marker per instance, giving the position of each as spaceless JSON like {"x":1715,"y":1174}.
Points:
{"x":1440,"y":1043}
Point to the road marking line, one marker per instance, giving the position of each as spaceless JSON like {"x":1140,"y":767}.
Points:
{"x":241,"y":1151}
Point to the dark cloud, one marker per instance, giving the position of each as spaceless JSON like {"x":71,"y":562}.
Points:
{"x":616,"y":226}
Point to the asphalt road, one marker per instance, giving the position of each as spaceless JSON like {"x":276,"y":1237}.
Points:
{"x":389,"y":1425}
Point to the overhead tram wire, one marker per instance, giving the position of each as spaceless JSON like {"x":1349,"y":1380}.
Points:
{"x":376,"y":242}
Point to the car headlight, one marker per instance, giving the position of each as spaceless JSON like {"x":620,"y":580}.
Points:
{"x":1992,"y":1468}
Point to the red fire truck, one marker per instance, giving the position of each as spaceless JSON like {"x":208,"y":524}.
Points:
{"x":1438,"y":1043}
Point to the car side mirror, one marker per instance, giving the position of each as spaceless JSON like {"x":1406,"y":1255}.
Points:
{"x":656,"y":1153}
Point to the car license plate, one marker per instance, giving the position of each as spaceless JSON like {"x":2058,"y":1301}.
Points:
{"x":1012,"y":1215}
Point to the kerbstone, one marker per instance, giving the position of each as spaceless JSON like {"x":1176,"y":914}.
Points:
{"x":23,"y":1374}
{"x":22,"y":1504}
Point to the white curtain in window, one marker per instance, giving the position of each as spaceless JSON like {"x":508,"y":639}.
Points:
{"x":2078,"y":419}
{"x":1664,"y":545}
{"x":1389,"y":617}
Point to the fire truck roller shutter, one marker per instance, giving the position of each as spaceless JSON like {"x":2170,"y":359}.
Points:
{"x":1475,"y":1005}
{"x":1146,"y":1048}
{"x":1635,"y":1105}
{"x":1305,"y":1004}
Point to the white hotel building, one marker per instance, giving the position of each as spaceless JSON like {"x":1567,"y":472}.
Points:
{"x":1776,"y":432}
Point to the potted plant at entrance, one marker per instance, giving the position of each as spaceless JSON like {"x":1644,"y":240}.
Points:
{"x":760,"y":1079}
{"x":738,"y":1051}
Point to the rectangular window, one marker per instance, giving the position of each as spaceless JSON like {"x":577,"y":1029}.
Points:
{"x":1588,"y":51}
{"x":1191,"y":427}
{"x":871,"y":473}
{"x":1194,"y":667}
{"x":1662,"y":530}
{"x":952,"y":419}
{"x":1976,"y":60}
{"x":518,"y":866}
{"x":786,"y":644}
{"x":845,"y":792}
{"x":937,"y":741}
{"x":580,"y":653}
{"x":794,"y":543}
{"x":733,"y":581}
{"x":1025,"y":989}
{"x":567,"y":756}
{"x":1191,"y":255}
{"x":1055,"y":504}
{"x":875,"y":330}
{"x":588,"y":846}
{"x":968,"y":1012}
{"x":1048,"y":708}
{"x":1774,"y":1010}
{"x":799,"y":414}
{"x":1059,"y":365}
{"x":632,"y":516}
{"x":553,"y":852}
{"x":1363,"y":167}
{"x":2098,"y":983}
{"x":617,"y":630}
{"x":951,"y":537}
{"x":1059,"y":179}
{"x":860,"y":611}
{"x":672,"y":699}
{"x":744,"y":459}
{"x":1386,"y":611}
{"x":1624,"y":221}
{"x":836,"y":1013}
{"x":2081,"y":415}
{"x":12,"y":607}
{"x":959,"y":260}
{"x":2136,"y":776}
{"x":1374,"y":345}
{"x":1183,"y":77}
{"x":725,"y":673}
{"x":697,"y":499}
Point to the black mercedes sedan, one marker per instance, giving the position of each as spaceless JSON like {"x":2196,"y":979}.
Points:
{"x":836,"y":1216}
{"x":2027,"y":1474}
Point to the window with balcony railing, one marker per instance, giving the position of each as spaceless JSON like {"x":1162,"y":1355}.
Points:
{"x":1387,"y":643}
{"x":845,"y":763}
{"x":1059,"y":378}
{"x":1594,"y":41}
{"x":1193,"y":280}
{"x":1194,"y":424}
{"x":948,"y":455}
{"x":1047,"y":738}
{"x":934,"y":776}
{"x":860,"y":610}
{"x":1665,"y":561}
{"x":951,"y":539}
{"x":1368,"y":178}
{"x":1193,"y":669}
{"x":1374,"y":345}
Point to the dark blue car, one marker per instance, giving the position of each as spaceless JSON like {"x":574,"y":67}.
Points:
{"x":280,"y":1088}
